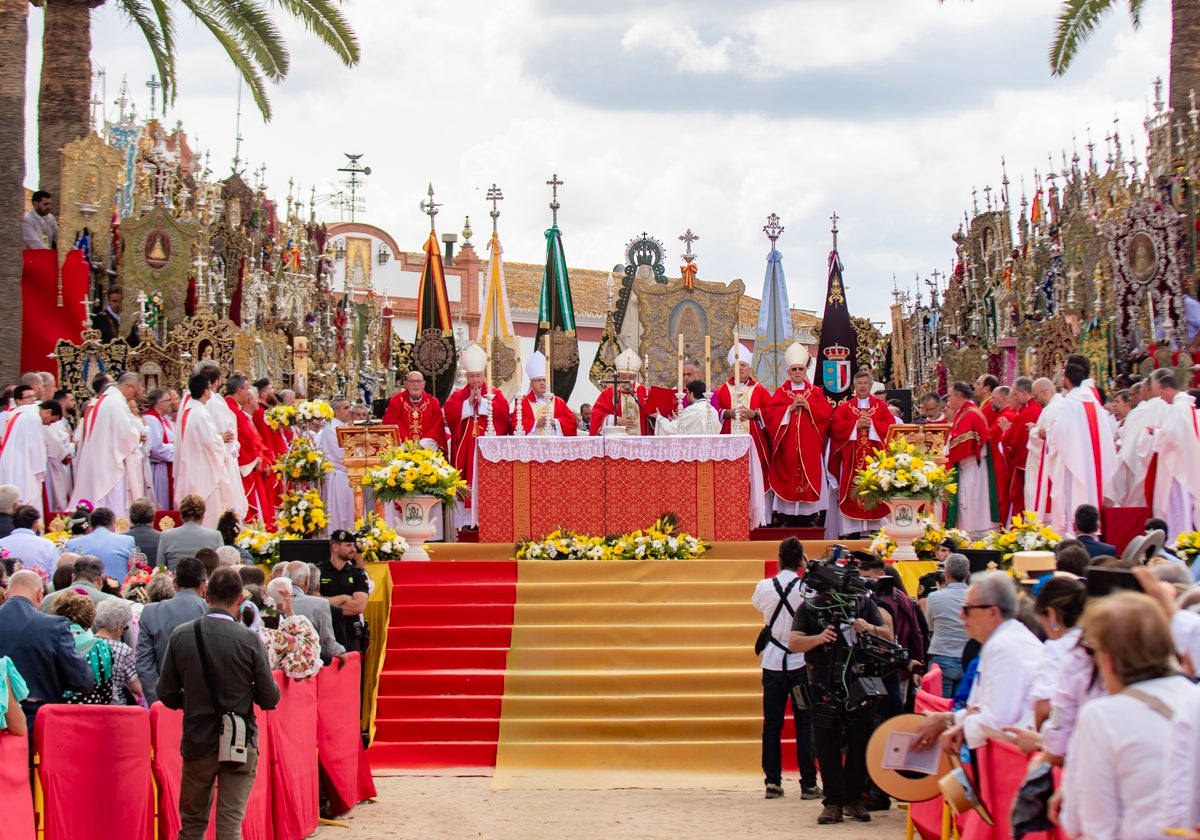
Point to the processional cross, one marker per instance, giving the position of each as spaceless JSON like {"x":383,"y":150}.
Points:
{"x":494,"y":195}
{"x":554,"y":184}
{"x":430,"y":207}
{"x":154,"y":84}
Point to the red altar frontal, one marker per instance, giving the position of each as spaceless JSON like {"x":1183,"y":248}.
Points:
{"x":526,"y":487}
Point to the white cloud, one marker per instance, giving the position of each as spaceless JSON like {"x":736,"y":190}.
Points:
{"x":683,"y":45}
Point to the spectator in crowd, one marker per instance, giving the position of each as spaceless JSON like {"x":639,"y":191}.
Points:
{"x":64,"y":571}
{"x":345,"y":585}
{"x":112,"y":619}
{"x":1087,"y":531}
{"x":315,"y":609}
{"x":227,"y":555}
{"x":79,"y":522}
{"x":208,"y":556}
{"x":1072,"y":557}
{"x":9,"y":495}
{"x":943,"y":611}
{"x":40,"y":646}
{"x":189,"y":537}
{"x":1007,"y":664}
{"x":86,"y":577}
{"x":1113,"y":781}
{"x":252,"y":576}
{"x":24,"y":542}
{"x":160,"y":588}
{"x":112,"y":548}
{"x":141,"y":528}
{"x":778,"y":598}
{"x":159,"y":620}
{"x":231,"y":667}
{"x":12,"y":691}
{"x":1059,"y":605}
{"x":230,"y":527}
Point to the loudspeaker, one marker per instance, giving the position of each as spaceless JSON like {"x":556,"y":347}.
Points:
{"x":304,"y":551}
{"x":903,"y":396}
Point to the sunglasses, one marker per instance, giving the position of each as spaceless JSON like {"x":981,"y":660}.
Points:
{"x":966,"y":608}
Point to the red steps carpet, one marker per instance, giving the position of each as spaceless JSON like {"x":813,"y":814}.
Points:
{"x":443,"y":673}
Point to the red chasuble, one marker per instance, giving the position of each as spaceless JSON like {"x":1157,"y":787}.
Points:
{"x":756,"y":398}
{"x":564,"y":415}
{"x":798,"y":446}
{"x":275,"y":445}
{"x":1016,"y":455}
{"x":251,"y":459}
{"x":465,"y":429}
{"x":422,"y":420}
{"x":602,"y":409}
{"x":849,"y":449}
{"x":1000,"y":459}
{"x":968,"y":435}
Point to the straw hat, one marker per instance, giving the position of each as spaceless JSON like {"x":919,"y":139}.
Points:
{"x":906,"y":785}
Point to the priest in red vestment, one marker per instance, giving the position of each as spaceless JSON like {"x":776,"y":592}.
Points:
{"x":974,"y":508}
{"x":798,"y":416}
{"x":251,"y":458}
{"x":535,"y":414}
{"x":1000,"y":416}
{"x":857,"y":430}
{"x":467,"y":411}
{"x":1016,"y":442}
{"x":418,"y":414}
{"x":740,"y":402}
{"x":275,"y":443}
{"x":633,"y":397}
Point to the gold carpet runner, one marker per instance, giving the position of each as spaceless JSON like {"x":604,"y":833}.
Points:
{"x":632,"y":674}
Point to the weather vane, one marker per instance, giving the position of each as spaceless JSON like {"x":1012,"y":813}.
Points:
{"x":554,"y":184}
{"x":773,"y":229}
{"x":494,"y":195}
{"x":430,"y":207}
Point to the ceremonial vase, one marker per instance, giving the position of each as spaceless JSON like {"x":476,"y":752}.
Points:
{"x":903,"y":525}
{"x":414,"y":522}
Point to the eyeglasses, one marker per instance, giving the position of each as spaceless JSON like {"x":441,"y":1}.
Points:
{"x":966,"y":608}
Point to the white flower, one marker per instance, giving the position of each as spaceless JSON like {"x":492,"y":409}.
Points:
{"x":302,"y":505}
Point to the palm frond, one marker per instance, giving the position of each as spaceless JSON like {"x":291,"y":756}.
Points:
{"x":250,"y":23}
{"x":242,"y":59}
{"x":1135,"y":13}
{"x":1076,"y":22}
{"x":324,"y":19}
{"x":154,"y":21}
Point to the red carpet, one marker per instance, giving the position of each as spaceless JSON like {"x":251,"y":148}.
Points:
{"x":443,"y":674}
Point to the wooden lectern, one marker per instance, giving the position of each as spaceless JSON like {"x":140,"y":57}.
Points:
{"x":362,"y":445}
{"x":931,"y":436}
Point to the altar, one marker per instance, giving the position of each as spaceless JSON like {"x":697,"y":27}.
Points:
{"x":526,"y":487}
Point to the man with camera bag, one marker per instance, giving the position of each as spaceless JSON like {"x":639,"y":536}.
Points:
{"x":216,"y":670}
{"x":778,"y":598}
{"x":834,"y":630}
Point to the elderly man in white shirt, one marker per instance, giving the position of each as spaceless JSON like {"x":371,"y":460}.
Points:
{"x":1007,"y":666}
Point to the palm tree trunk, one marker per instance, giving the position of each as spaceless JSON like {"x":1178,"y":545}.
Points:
{"x":13,"y":35}
{"x":66,"y":87}
{"x":1185,"y":55}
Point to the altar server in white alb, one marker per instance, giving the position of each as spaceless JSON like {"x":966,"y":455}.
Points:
{"x":23,"y":449}
{"x":60,"y":452}
{"x":108,"y":466}
{"x":200,"y":453}
{"x":335,"y":490}
{"x":697,"y":418}
{"x":1083,"y":455}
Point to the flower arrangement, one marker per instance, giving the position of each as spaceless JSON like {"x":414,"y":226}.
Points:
{"x":658,"y":542}
{"x":301,"y":514}
{"x":133,"y":588}
{"x":411,"y":470}
{"x":882,"y":545}
{"x":310,"y":410}
{"x":926,"y":545}
{"x":303,"y":462}
{"x":903,"y":470}
{"x":294,"y":648}
{"x":1025,"y":533}
{"x":59,"y":537}
{"x":1188,"y":545}
{"x":280,"y":417}
{"x":377,"y":541}
{"x":261,"y":544}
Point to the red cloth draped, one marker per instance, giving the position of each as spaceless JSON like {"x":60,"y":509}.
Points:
{"x":16,"y":801}
{"x":95,"y":772}
{"x":338,"y":738}
{"x":1004,"y":768}
{"x":44,"y":321}
{"x":295,"y":783}
{"x":1000,"y":459}
{"x":428,"y":421}
{"x":932,"y":681}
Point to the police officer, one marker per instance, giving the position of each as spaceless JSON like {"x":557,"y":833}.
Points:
{"x":345,"y":585}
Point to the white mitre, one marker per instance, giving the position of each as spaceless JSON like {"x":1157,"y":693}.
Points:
{"x":743,"y":355}
{"x":628,"y":362}
{"x":796,"y":354}
{"x":474,"y":359}
{"x":535,"y":368}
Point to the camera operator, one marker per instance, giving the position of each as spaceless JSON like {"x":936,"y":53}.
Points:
{"x":829,"y":629}
{"x":778,"y":598}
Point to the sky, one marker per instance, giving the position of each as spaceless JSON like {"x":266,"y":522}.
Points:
{"x":674,"y":114}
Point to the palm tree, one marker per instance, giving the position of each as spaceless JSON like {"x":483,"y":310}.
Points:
{"x":13,"y":35}
{"x":243,"y":28}
{"x":1077,"y":20}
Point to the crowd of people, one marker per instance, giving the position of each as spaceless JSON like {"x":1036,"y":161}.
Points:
{"x":1090,"y":667}
{"x":109,"y":620}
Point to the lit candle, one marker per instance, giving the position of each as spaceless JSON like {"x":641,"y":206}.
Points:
{"x":680,"y":377}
